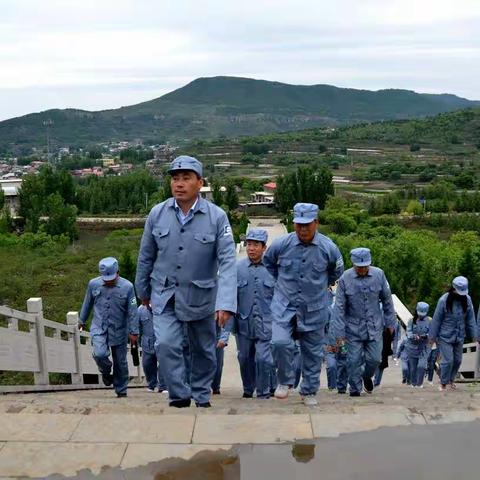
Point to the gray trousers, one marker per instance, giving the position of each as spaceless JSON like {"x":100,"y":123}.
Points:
{"x":169,"y":345}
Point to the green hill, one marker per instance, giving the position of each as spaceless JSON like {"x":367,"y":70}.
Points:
{"x":225,"y":106}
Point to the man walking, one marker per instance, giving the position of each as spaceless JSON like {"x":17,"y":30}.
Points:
{"x":304,"y":263}
{"x":114,"y":322}
{"x":359,"y":321}
{"x":186,"y":274}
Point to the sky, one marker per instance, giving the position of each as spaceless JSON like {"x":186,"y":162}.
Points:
{"x":99,"y":54}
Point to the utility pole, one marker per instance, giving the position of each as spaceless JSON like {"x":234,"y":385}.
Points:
{"x":47,"y":124}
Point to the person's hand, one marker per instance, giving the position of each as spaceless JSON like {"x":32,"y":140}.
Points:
{"x":332,"y":348}
{"x":146,"y":302}
{"x":391,"y":330}
{"x":81,"y":327}
{"x":340,"y":341}
{"x":221,"y":344}
{"x":222,"y":317}
{"x":133,"y":338}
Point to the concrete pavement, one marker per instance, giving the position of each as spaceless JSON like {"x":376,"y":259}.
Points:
{"x":65,"y":432}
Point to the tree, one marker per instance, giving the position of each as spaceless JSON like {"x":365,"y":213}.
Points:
{"x":414,"y":207}
{"x":2,"y":199}
{"x":127,"y":266}
{"x":61,"y":217}
{"x":231,"y":196}
{"x":306,"y":184}
{"x":217,"y":195}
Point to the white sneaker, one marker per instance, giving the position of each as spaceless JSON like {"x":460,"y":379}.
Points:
{"x":309,"y":400}
{"x":430,"y":383}
{"x":282,"y":391}
{"x":150,"y":390}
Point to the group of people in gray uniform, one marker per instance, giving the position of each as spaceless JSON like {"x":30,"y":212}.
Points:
{"x":290,"y":306}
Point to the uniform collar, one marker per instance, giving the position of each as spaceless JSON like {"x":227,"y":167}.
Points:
{"x":369,"y":274}
{"x":199,"y":205}
{"x":315,"y":240}
{"x":250,"y":263}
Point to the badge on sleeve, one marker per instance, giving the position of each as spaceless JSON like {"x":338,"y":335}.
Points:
{"x":227,"y":230}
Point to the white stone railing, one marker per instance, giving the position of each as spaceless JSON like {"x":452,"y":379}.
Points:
{"x":31,"y":343}
{"x":470,"y":367}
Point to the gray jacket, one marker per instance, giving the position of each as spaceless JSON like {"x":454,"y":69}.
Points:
{"x":194,"y":262}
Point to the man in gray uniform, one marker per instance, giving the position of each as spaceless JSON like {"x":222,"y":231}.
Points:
{"x":186,"y":274}
{"x":114,"y":322}
{"x":362,"y":293}
{"x":304,"y":263}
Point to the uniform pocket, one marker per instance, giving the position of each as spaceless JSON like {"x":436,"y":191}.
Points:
{"x":204,"y":238}
{"x":161,"y":237}
{"x":200,"y":292}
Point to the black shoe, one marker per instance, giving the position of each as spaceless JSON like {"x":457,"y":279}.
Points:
{"x":368,"y":385}
{"x":354,"y":394}
{"x":342,"y":392}
{"x":180,"y":403}
{"x":121,"y":395}
{"x":107,"y":379}
{"x":203,"y":405}
{"x":215,"y":392}
{"x":247,"y":395}
{"x":404,"y":381}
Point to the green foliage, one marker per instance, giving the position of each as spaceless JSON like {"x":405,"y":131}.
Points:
{"x":127,"y":265}
{"x":2,"y":199}
{"x":61,"y":217}
{"x":122,"y":194}
{"x":255,"y":148}
{"x":417,"y":264}
{"x":384,"y":204}
{"x":306,"y":184}
{"x":217,"y":195}
{"x":231,"y":196}
{"x":414,"y":207}
{"x":50,"y":194}
{"x":136,"y":155}
{"x":6,"y":221}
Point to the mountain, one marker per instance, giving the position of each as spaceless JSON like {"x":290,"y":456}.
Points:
{"x":231,"y":106}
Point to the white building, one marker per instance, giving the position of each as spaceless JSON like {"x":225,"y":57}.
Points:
{"x":206,"y":192}
{"x":11,"y":187}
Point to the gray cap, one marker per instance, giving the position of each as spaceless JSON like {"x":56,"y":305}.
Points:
{"x":305,"y":212}
{"x":361,"y":257}
{"x":108,"y":268}
{"x":422,"y":308}
{"x":184,"y":162}
{"x":460,"y":284}
{"x":257,"y":234}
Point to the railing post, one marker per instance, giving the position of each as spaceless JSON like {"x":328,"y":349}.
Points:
{"x":72,"y":319}
{"x":477,"y":361}
{"x":34,"y":306}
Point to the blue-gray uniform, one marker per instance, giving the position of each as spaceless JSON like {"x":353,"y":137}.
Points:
{"x":300,"y":303}
{"x":330,"y":356}
{"x":449,"y":326}
{"x":186,"y":266}
{"x":403,"y":355}
{"x":417,"y":344}
{"x":253,"y":323}
{"x":359,"y":319}
{"x":114,"y":317}
{"x":151,"y":368}
{"x":220,"y":354}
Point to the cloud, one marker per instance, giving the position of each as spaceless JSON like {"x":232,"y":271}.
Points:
{"x":127,"y":49}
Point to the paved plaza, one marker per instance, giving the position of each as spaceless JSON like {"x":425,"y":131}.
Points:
{"x":64,"y":432}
